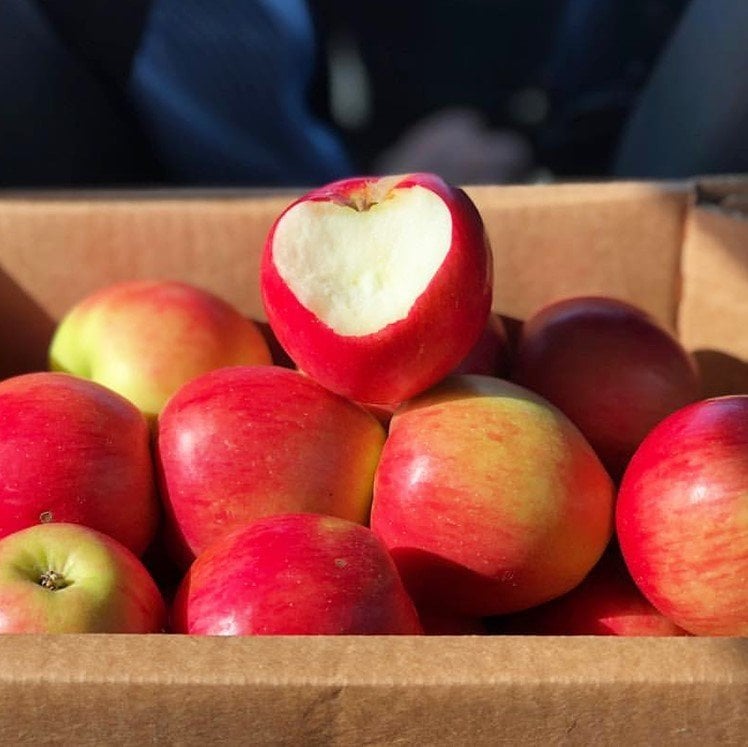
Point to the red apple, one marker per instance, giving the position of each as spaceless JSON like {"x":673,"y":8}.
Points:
{"x":377,"y":288}
{"x":67,"y":578}
{"x":301,"y":574}
{"x":607,"y":602}
{"x":249,"y":441}
{"x":489,"y":498}
{"x":74,"y":451}
{"x":682,"y":517}
{"x":488,"y":357}
{"x":144,"y":339}
{"x":610,"y":367}
{"x":490,"y":354}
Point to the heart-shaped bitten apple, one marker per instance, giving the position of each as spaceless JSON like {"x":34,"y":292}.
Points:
{"x":378,"y":287}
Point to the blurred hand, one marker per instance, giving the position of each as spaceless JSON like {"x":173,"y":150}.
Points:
{"x":457,"y":145}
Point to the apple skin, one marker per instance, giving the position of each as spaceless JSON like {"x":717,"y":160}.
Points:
{"x":298,"y":574}
{"x":610,"y":367}
{"x":490,"y":355}
{"x":244,"y":442}
{"x":74,"y":451}
{"x":606,"y":603}
{"x":682,"y":517}
{"x":489,"y":499}
{"x":408,"y":355}
{"x":145,"y":338}
{"x":101,"y":586}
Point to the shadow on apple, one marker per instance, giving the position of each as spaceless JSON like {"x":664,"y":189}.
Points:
{"x":721,"y":373}
{"x":25,"y":330}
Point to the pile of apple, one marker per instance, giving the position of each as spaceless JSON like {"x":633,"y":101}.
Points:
{"x":412,"y":468}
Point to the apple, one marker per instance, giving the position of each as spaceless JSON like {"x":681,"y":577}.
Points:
{"x":244,"y":442}
{"x":682,"y":516}
{"x":298,"y":574}
{"x":74,"y":451}
{"x":67,"y":578}
{"x":489,"y":498}
{"x":378,"y":287}
{"x":607,"y":602}
{"x":145,"y":338}
{"x":610,"y":367}
{"x":490,"y":355}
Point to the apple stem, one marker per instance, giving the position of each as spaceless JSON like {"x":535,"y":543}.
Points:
{"x":53,"y":580}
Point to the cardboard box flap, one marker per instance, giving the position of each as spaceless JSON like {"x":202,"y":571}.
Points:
{"x":397,"y":690}
{"x":713,"y":319}
{"x":617,"y":239}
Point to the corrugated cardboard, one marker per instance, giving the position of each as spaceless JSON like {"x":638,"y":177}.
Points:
{"x":676,"y":249}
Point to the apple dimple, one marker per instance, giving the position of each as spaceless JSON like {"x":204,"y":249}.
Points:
{"x":361,"y":270}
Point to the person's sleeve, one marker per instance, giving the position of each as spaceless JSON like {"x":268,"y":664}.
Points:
{"x":220,"y":89}
{"x":692,"y":116}
{"x":61,"y":125}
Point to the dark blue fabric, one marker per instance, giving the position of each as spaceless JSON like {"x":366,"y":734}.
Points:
{"x":60,"y":125}
{"x":215,"y":93}
{"x":219,"y":86}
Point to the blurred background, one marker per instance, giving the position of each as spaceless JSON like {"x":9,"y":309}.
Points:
{"x":276,"y":93}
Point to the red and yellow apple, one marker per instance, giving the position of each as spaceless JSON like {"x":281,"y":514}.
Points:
{"x":67,"y":578}
{"x":144,"y":339}
{"x":682,"y":517}
{"x":610,"y":367}
{"x":489,"y":499}
{"x":74,"y":451}
{"x":244,"y":442}
{"x":378,"y":287}
{"x":301,"y":574}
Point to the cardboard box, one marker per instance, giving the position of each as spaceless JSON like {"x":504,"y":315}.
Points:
{"x":679,"y":250}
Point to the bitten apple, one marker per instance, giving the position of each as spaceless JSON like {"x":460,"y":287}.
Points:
{"x":682,"y":516}
{"x":378,"y":288}
{"x":74,"y":451}
{"x":610,"y":367}
{"x":300,"y":574}
{"x":244,"y":442}
{"x":489,"y":499}
{"x":144,"y":339}
{"x":67,"y":578}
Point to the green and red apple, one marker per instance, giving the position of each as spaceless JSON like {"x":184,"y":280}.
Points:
{"x":489,"y":498}
{"x":67,"y":578}
{"x":144,"y":339}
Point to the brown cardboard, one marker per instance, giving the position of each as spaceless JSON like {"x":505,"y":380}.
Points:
{"x":676,"y":249}
{"x":372,"y":691}
{"x":713,"y":317}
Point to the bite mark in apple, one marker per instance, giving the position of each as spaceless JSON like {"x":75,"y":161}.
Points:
{"x":359,"y":292}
